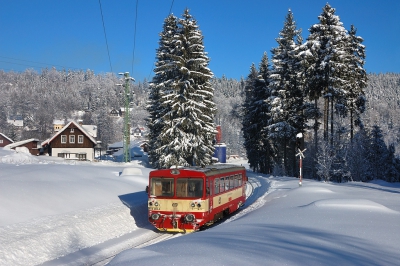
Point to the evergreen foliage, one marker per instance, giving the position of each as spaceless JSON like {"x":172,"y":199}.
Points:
{"x":328,"y":60}
{"x":186,"y":133}
{"x":270,"y":106}
{"x":255,"y":118}
{"x":287,"y":117}
{"x":164,"y":74}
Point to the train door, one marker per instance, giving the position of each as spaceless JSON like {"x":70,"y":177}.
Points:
{"x":209,"y":194}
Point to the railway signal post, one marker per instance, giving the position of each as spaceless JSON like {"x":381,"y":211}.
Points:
{"x":301,"y":150}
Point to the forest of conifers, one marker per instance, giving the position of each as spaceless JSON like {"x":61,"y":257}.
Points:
{"x":52,"y":94}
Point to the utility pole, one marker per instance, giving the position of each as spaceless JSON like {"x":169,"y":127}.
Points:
{"x":127,"y":124}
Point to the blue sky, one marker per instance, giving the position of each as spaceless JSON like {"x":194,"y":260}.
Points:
{"x":69,"y":33}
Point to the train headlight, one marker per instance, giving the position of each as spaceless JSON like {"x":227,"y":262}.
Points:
{"x":155,"y":216}
{"x":156,"y":204}
{"x":189,"y":218}
{"x":198,"y":205}
{"x":150,"y":203}
{"x":192,"y":205}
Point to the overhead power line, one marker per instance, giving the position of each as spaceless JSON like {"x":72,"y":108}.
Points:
{"x":170,"y":10}
{"x":134,"y":36}
{"x":35,"y":62}
{"x":105,"y":35}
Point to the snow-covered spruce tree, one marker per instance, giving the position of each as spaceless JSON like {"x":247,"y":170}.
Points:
{"x":328,"y":63}
{"x":263,"y":92}
{"x":355,"y":97}
{"x":165,"y":73}
{"x":255,"y":118}
{"x":188,"y":129}
{"x":288,"y":86}
{"x":250,"y":134}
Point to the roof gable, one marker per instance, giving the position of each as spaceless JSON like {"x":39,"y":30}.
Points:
{"x":4,"y":136}
{"x":66,"y":127}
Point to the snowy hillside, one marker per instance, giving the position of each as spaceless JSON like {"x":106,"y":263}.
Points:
{"x":73,"y":213}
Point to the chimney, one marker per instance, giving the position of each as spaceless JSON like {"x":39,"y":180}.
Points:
{"x":218,"y":137}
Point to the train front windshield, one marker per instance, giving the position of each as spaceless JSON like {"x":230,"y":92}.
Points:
{"x":163,"y":187}
{"x":185,"y":187}
{"x":189,"y":187}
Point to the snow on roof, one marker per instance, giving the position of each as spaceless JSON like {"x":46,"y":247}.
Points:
{"x":4,"y":136}
{"x":65,"y":127}
{"x":19,"y":143}
{"x":91,"y":129}
{"x":58,"y":122}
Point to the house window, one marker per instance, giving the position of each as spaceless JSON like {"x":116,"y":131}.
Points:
{"x":80,"y":139}
{"x":71,"y":139}
{"x":72,"y":130}
{"x":63,"y":139}
{"x":1,"y":141}
{"x":82,"y":156}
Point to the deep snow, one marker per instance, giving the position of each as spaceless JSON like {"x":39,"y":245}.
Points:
{"x":80,"y":212}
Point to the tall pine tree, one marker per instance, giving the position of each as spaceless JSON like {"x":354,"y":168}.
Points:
{"x":287,"y":85}
{"x":250,"y":134}
{"x":328,"y":64}
{"x":254,"y":123}
{"x":164,"y":77}
{"x":188,"y":131}
{"x":358,"y":80}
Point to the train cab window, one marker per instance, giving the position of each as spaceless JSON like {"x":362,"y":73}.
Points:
{"x":189,"y":187}
{"x":216,"y":186}
{"x":240,"y":180}
{"x":236,"y":180}
{"x":227,"y":183}
{"x":162,"y":187}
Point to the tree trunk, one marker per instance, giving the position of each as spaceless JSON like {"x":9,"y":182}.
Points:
{"x":326,"y":115}
{"x":315,"y":132}
{"x":351,"y":125}
{"x":332,"y":121}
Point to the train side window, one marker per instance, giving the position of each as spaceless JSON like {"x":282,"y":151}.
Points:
{"x":240,"y":180}
{"x":227,"y":183}
{"x":231,"y":182}
{"x":216,"y":187}
{"x":236,"y":180}
{"x":222,"y":184}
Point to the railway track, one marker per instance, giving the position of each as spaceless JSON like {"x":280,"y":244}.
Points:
{"x":160,"y":236}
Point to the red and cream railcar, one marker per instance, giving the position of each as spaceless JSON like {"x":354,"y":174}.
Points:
{"x":185,"y":199}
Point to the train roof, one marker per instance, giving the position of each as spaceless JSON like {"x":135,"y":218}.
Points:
{"x":212,"y":169}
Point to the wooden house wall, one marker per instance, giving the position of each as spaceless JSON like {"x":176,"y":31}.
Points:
{"x":5,"y":141}
{"x":87,"y":143}
{"x":32,"y":147}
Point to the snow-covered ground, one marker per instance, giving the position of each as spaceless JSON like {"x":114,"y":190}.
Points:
{"x":57,"y":212}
